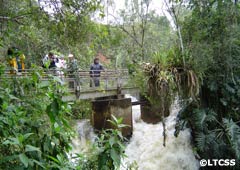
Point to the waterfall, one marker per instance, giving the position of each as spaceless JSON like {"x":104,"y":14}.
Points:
{"x":146,"y":149}
{"x":84,"y":138}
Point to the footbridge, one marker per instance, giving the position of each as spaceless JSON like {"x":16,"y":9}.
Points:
{"x":107,"y":99}
{"x":80,"y":85}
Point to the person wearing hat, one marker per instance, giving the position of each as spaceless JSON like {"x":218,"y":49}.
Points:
{"x":95,"y":71}
{"x":72,"y":67}
{"x":72,"y":64}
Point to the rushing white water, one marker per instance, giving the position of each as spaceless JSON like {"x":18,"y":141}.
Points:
{"x":146,"y":145}
{"x":147,"y":150}
{"x":84,"y":138}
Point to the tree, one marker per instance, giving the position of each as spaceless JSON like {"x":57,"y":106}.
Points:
{"x":210,"y":36}
{"x":135,"y":25}
{"x":36,"y":29}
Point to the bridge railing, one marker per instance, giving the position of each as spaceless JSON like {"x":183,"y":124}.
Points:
{"x":80,"y":80}
{"x":109,"y":79}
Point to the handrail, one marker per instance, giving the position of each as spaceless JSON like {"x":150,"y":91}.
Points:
{"x":58,"y":69}
{"x":79,"y":82}
{"x":104,"y":74}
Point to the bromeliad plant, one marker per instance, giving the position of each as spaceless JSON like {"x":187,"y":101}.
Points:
{"x":164,"y":77}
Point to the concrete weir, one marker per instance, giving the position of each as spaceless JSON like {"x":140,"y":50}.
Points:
{"x":119,"y":107}
{"x":150,"y":114}
{"x":153,"y":113}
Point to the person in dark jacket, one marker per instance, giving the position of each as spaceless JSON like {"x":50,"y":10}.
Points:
{"x":95,"y":72}
{"x":53,"y":60}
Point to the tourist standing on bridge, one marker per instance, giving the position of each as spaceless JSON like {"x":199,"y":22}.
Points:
{"x":49,"y":61}
{"x":15,"y":58}
{"x":72,"y":67}
{"x":53,"y":60}
{"x":95,"y":72}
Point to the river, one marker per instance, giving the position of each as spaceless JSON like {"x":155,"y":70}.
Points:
{"x":146,"y":145}
{"x":145,"y":148}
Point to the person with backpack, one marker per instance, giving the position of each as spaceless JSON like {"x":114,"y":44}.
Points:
{"x":95,"y":72}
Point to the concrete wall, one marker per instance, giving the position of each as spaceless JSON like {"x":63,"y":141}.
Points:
{"x":104,"y":108}
{"x":153,"y":113}
{"x":150,"y":114}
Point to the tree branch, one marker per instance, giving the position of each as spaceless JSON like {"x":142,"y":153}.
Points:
{"x":173,"y":14}
{"x":127,"y":32}
{"x":15,"y":18}
{"x":130,"y":35}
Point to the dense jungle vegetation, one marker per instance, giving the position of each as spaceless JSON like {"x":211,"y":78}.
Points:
{"x":195,"y":54}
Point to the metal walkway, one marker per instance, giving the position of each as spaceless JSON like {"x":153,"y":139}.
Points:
{"x":112,"y":83}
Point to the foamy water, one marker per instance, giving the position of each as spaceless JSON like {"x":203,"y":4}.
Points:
{"x":146,"y":145}
{"x":83,"y":140}
{"x":147,"y":150}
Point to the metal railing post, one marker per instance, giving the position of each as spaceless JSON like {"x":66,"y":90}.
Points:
{"x":106,"y":83}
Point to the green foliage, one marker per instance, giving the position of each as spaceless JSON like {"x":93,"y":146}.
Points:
{"x":162,"y":59}
{"x":146,"y":31}
{"x":35,"y":133}
{"x":233,"y":132}
{"x":34,"y":28}
{"x":39,"y":27}
{"x":106,"y":152}
{"x":230,"y":96}
{"x":166,"y":76}
{"x":34,"y":129}
{"x":211,"y":39}
{"x":111,"y":146}
{"x":213,"y":138}
{"x":88,"y":161}
{"x":82,"y":109}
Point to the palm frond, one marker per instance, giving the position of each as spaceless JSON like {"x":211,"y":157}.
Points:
{"x":204,"y":118}
{"x":205,"y":141}
{"x":233,"y":131}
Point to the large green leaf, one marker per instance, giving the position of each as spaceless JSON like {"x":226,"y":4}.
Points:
{"x":39,"y":163}
{"x":27,"y":135}
{"x":12,"y":141}
{"x":30,"y":148}
{"x":116,"y":157}
{"x":43,"y":84}
{"x":52,"y":110}
{"x":24,"y":159}
{"x":112,"y":141}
